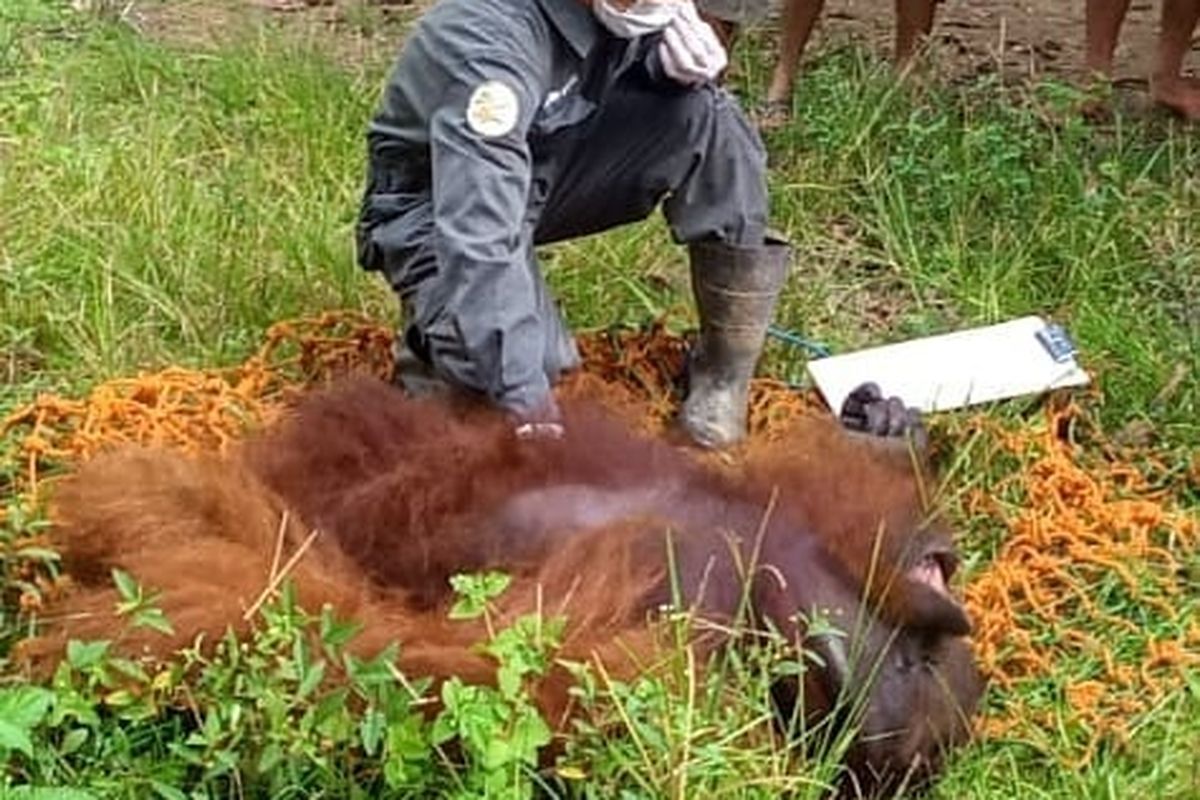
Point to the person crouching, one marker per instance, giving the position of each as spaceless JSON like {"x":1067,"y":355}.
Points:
{"x":508,"y":124}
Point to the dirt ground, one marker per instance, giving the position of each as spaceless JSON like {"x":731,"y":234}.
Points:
{"x":1022,"y":37}
{"x":972,"y":37}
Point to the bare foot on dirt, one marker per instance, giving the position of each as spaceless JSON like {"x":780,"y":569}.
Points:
{"x":1097,"y":106}
{"x":772,"y":115}
{"x":1181,"y":95}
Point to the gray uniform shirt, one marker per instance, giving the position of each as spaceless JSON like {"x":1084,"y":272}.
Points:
{"x":510,"y":122}
{"x":546,"y":65}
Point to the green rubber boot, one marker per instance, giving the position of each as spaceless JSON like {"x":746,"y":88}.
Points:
{"x":736,"y":288}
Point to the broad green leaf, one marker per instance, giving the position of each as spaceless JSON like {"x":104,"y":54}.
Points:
{"x":14,"y":738}
{"x":130,"y":669}
{"x":153,"y":618}
{"x":330,"y":704}
{"x":75,"y":739}
{"x":474,"y":592}
{"x":167,"y":791}
{"x":508,"y":679}
{"x":127,"y":587}
{"x":530,"y":734}
{"x":377,"y":671}
{"x":272,"y":754}
{"x":407,"y":739}
{"x":311,"y":680}
{"x":24,"y":706}
{"x":82,"y":655}
{"x":336,"y":633}
{"x":36,"y":554}
{"x":371,"y":730}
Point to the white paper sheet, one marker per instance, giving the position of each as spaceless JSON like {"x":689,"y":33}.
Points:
{"x":952,"y":370}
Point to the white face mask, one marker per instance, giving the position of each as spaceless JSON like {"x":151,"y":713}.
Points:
{"x":641,"y":18}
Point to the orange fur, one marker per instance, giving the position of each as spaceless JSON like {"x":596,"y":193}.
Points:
{"x":404,"y":494}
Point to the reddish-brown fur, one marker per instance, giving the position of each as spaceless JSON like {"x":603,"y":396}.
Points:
{"x":405,"y":494}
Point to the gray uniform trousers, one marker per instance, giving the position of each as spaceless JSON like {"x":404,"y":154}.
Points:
{"x":693,"y":151}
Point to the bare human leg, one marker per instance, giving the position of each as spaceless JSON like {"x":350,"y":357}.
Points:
{"x":1168,"y":85}
{"x":914,"y":21}
{"x":799,"y":19}
{"x":1102,"y":26}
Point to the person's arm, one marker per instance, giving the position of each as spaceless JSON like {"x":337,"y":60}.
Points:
{"x":481,"y":167}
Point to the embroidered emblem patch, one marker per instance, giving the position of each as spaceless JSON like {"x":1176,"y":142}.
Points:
{"x":493,"y":109}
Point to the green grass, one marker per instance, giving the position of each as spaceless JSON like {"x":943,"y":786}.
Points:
{"x":165,"y":207}
{"x":162,"y":203}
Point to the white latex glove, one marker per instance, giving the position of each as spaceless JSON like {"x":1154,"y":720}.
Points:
{"x":541,"y":424}
{"x":539,"y":431}
{"x":690,"y":51}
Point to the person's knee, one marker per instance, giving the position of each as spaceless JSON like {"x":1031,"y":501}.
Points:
{"x":711,"y":121}
{"x":725,"y":198}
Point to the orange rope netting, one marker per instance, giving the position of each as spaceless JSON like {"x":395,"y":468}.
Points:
{"x":196,"y":409}
{"x":1086,"y":577}
{"x":1090,"y":583}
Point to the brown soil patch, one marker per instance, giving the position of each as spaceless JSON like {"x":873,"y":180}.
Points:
{"x":352,"y":32}
{"x":973,"y":37}
{"x":1018,"y":37}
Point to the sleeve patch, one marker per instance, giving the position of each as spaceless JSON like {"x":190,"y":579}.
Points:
{"x":493,"y":109}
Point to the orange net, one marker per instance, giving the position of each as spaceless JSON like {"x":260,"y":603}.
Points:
{"x":195,"y":409}
{"x":1083,"y":590}
{"x":1089,"y":584}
